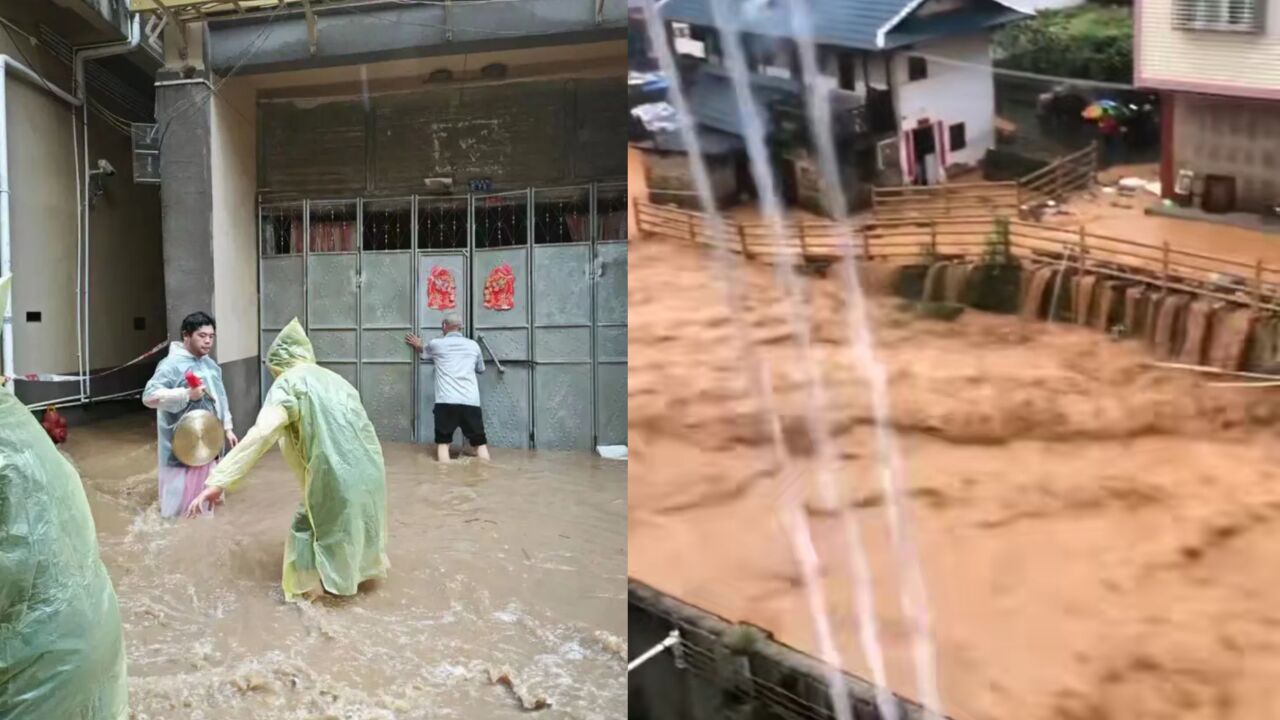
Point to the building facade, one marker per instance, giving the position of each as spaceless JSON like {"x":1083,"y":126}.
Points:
{"x":911,"y":85}
{"x":368,"y":167}
{"x":83,"y":244}
{"x":1216,"y":66}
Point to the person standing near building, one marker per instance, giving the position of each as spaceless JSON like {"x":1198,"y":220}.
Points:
{"x":457,"y":359}
{"x":338,"y":538}
{"x":170,"y":394}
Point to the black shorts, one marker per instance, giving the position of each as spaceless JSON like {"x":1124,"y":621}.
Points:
{"x":450,"y":417}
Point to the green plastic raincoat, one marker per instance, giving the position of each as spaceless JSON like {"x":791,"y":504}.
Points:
{"x":61,"y":642}
{"x":339,"y":535}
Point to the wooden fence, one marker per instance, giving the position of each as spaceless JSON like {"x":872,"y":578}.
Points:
{"x":1064,"y":175}
{"x":913,"y":241}
{"x":987,"y":199}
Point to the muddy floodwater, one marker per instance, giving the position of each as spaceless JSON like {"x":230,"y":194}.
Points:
{"x":506,"y":593}
{"x":1099,"y":536}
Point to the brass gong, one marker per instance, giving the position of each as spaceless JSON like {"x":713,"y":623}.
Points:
{"x":197,"y":438}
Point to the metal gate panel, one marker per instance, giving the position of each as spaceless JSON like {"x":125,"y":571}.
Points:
{"x":610,"y":290}
{"x":386,"y":290}
{"x":387,"y":398}
{"x":500,"y":236}
{"x":429,"y":327}
{"x":562,"y":396}
{"x":386,"y":365}
{"x":456,"y":265}
{"x":486,"y":261}
{"x":562,"y":284}
{"x":611,"y":283}
{"x":282,"y":291}
{"x":505,"y":400}
{"x":611,"y":403}
{"x":562,"y":378}
{"x":332,"y":294}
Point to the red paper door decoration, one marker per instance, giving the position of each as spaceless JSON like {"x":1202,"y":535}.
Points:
{"x":500,"y":289}
{"x":442,"y":291}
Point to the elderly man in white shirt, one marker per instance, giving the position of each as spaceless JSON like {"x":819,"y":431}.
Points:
{"x":457,"y":359}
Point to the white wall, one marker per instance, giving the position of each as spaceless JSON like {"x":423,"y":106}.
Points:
{"x":235,"y":231}
{"x":1228,"y":63}
{"x":126,"y":267}
{"x":951,"y":93}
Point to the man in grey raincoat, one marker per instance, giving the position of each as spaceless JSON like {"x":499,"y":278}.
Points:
{"x":169,"y":394}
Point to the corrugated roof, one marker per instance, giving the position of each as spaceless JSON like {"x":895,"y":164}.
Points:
{"x":843,"y":23}
{"x":914,"y":30}
{"x":716,"y":105}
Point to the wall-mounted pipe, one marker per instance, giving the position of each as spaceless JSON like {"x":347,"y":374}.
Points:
{"x":9,"y":66}
{"x":81,"y":56}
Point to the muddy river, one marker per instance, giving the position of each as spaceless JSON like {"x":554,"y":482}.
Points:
{"x":1099,"y":536}
{"x":507,"y":592}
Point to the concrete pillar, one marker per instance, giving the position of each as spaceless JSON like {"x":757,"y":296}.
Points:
{"x":208,"y":227}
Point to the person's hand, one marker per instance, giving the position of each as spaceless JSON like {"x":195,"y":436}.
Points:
{"x":195,"y":393}
{"x":210,"y":495}
{"x":232,"y":440}
{"x":413,"y":341}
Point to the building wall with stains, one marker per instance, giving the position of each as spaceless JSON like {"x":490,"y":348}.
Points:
{"x":515,"y":134}
{"x":1223,"y":136}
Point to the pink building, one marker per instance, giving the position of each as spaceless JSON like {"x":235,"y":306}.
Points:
{"x":1216,"y":64}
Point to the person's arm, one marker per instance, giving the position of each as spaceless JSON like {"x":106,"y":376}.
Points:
{"x":261,"y":437}
{"x":479,"y":359}
{"x":160,"y":393}
{"x":426,"y":354}
{"x":224,"y":405}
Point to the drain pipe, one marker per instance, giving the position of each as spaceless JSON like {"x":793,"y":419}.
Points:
{"x":82,"y":93}
{"x":9,"y":65}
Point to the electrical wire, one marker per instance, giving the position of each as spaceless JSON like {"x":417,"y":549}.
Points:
{"x":254,"y":46}
{"x":996,"y":70}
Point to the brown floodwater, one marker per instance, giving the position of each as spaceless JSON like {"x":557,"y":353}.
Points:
{"x":1099,"y":536}
{"x":507,"y":591}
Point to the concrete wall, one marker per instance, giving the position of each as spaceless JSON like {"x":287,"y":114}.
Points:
{"x":1226,"y":63}
{"x":1230,"y":137}
{"x":517,"y":134}
{"x":951,"y":93}
{"x":667,"y":177}
{"x":235,"y":256}
{"x":125,"y":280}
{"x":233,"y":163}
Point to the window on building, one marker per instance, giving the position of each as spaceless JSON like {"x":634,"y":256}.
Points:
{"x":1220,"y":15}
{"x":917,"y":68}
{"x":957,"y":139}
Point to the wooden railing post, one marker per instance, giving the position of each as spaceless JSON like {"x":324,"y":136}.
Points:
{"x":1164,"y":266}
{"x":933,"y":238}
{"x":1257,"y":286}
{"x":804,"y":249}
{"x":742,"y":240}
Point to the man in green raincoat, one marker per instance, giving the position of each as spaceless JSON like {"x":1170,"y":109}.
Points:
{"x":61,"y":642}
{"x":339,"y":534}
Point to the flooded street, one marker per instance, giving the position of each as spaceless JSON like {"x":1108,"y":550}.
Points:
{"x":506,"y":591}
{"x":1097,"y":534}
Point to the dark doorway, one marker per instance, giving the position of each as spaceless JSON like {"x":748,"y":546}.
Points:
{"x":926,"y":149}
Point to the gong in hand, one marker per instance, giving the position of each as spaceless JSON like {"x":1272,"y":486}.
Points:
{"x":198,"y":438}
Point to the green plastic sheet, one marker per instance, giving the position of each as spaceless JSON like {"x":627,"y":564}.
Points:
{"x":61,"y":642}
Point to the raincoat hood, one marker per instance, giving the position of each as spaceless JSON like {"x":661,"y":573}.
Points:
{"x":290,"y":349}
